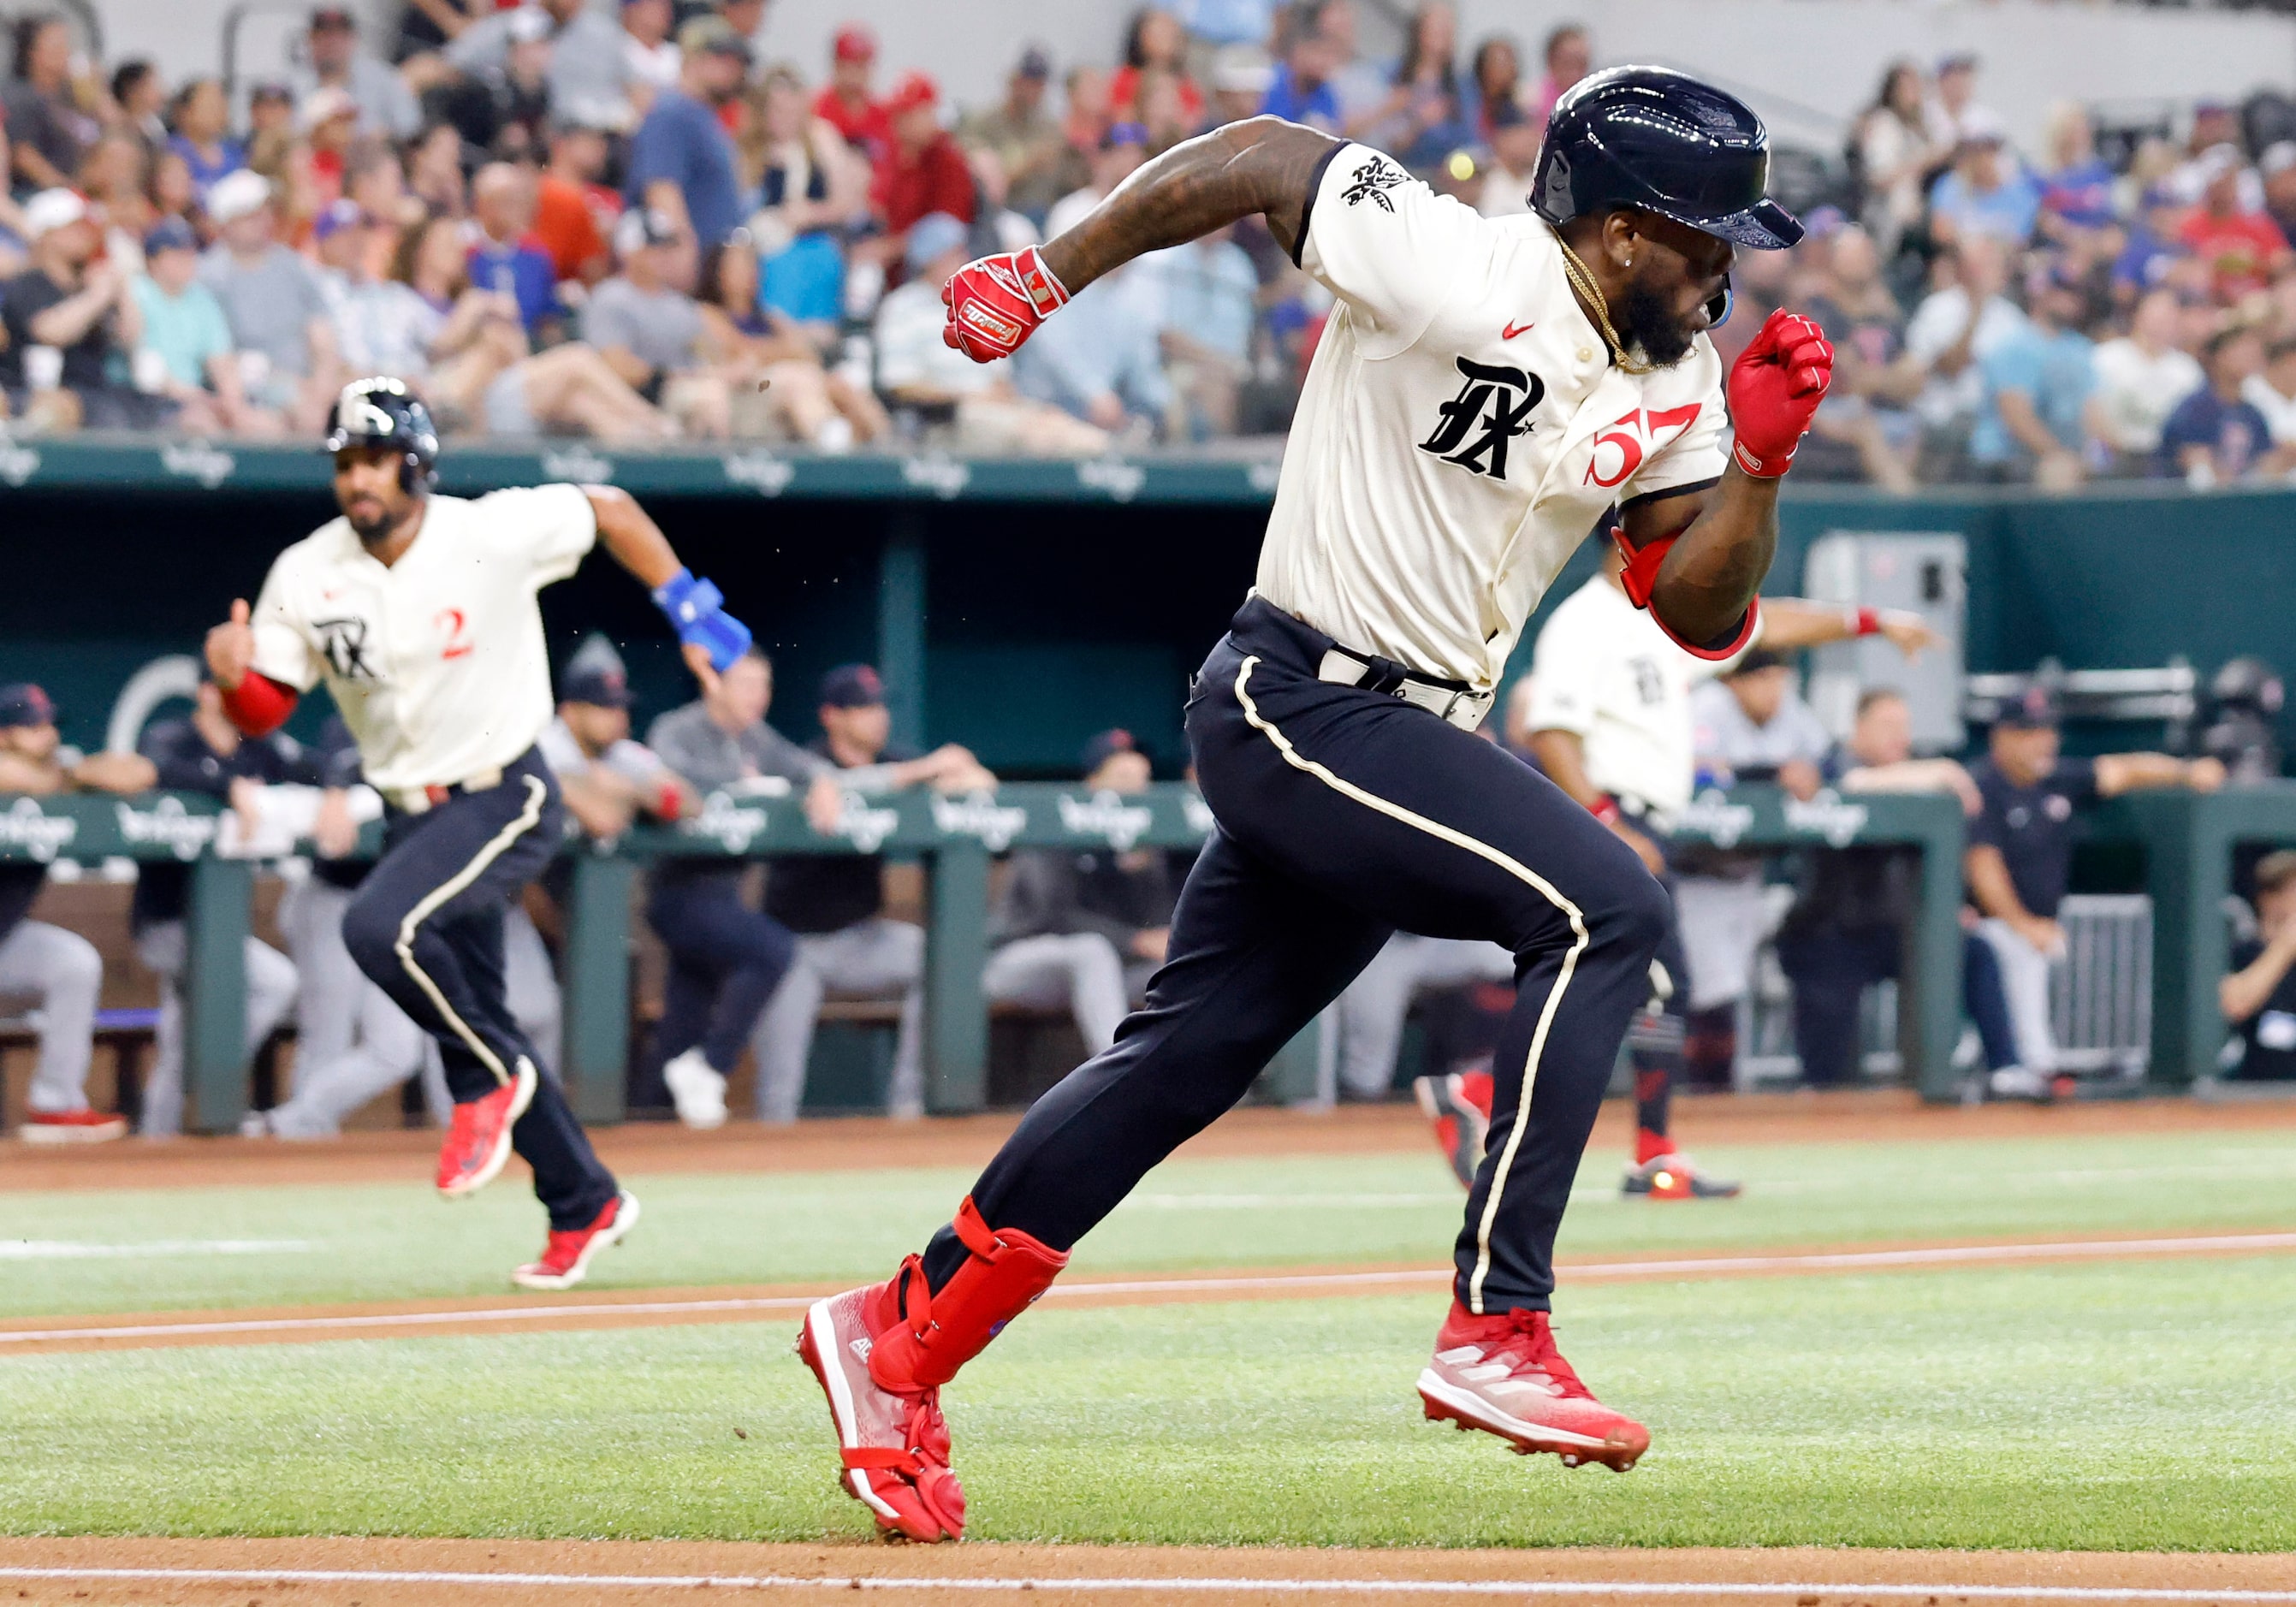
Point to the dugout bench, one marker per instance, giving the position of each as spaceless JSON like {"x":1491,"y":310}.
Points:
{"x":955,"y":839}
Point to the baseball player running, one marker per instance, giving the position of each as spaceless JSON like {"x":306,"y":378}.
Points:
{"x":419,"y":612}
{"x":1486,"y":391}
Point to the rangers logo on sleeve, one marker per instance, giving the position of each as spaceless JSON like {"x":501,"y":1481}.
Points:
{"x":1372,"y":181}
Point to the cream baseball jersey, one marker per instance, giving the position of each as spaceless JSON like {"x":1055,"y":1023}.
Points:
{"x":1461,"y":429}
{"x":1604,"y":669}
{"x":437,"y":661}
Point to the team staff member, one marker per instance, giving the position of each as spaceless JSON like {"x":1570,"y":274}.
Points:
{"x":1486,"y":389}
{"x":204,"y":753}
{"x":58,"y":968}
{"x":725,"y":959}
{"x":2259,"y":995}
{"x":835,"y":903}
{"x":2019,"y":860}
{"x":1086,"y":931}
{"x":419,"y":614}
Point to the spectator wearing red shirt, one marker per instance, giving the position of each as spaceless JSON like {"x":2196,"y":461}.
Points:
{"x":1157,"y":40}
{"x":925,"y":171}
{"x":573,"y":212}
{"x":846,"y":104}
{"x":2242,"y":249}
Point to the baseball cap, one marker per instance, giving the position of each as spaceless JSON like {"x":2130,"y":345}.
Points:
{"x":642,"y":227}
{"x":602,"y":684}
{"x":1106,"y":746}
{"x":1754,"y":662}
{"x":712,"y":34}
{"x":1957,"y":60}
{"x":171,"y":234}
{"x":52,"y":209}
{"x":270,"y":89}
{"x":1036,"y":62}
{"x":931,"y":236}
{"x":334,"y":16}
{"x":235,"y":195}
{"x":855,"y":43}
{"x":1243,"y":70}
{"x":1125,"y":133}
{"x":852,"y":687}
{"x":23,"y":703}
{"x":915,"y":90}
{"x":2036,"y":708}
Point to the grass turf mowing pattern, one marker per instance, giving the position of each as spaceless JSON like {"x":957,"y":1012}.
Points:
{"x":384,"y":1243}
{"x":2136,"y":1406}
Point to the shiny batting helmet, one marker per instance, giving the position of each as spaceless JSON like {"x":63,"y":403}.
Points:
{"x":1662,"y":142}
{"x":382,"y":412}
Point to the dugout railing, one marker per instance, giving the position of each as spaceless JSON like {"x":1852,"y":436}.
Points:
{"x":955,"y":839}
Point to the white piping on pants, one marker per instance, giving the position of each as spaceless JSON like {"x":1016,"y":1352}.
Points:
{"x":537,"y":794}
{"x":1513,"y":867}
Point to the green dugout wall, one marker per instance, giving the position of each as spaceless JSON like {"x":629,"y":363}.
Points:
{"x":1019,"y":607}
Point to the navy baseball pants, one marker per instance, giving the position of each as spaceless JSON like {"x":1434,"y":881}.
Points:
{"x":426,"y":925}
{"x":725,"y":960}
{"x":1343,"y":815}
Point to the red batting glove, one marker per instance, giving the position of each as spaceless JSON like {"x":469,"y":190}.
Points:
{"x":996,"y":303}
{"x":1775,"y":388}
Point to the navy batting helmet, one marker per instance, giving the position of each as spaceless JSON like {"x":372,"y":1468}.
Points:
{"x":380,"y":412}
{"x":1663,"y":142}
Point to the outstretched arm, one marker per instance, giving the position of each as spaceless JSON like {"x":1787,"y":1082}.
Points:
{"x":712,"y":638}
{"x":1262,"y":165}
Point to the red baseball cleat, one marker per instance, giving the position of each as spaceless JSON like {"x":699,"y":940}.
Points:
{"x":1673,"y":1175}
{"x":478,"y":1139}
{"x":71,"y":1126}
{"x":1459,"y":1104}
{"x":895,"y":1445}
{"x":566,"y":1257}
{"x":1502,"y":1374}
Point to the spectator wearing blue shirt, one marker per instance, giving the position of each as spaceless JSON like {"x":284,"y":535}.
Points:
{"x":1302,"y":91}
{"x":2077,"y":194}
{"x":2152,"y":250}
{"x":2217,"y":436}
{"x":1987,"y":192}
{"x":1205,"y":292}
{"x":2040,"y":417}
{"x":1227,"y":21}
{"x":506,"y":258}
{"x":683,"y":147}
{"x":1103,"y":364}
{"x":202,"y":137}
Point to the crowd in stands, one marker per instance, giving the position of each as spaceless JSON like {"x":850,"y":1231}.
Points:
{"x":630,"y":223}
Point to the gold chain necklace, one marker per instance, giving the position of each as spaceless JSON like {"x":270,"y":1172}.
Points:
{"x":1582,"y":280}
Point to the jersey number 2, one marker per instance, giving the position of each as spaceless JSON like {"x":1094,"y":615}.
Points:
{"x":457,"y":628}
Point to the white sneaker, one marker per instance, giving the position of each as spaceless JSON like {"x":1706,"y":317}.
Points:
{"x":2016,"y":1082}
{"x":698,"y":1090}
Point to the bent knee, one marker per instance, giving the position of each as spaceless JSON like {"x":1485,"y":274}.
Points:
{"x":1636,"y":919}
{"x":371,"y":934}
{"x":77,"y":964}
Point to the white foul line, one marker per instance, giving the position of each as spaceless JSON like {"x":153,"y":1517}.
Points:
{"x":1850,"y":1259}
{"x":76,"y":1249}
{"x":1494,"y":1587}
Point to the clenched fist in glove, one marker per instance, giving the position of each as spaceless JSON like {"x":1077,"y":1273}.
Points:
{"x":996,"y":302}
{"x":1775,"y":388}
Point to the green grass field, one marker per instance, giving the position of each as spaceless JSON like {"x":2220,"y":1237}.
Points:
{"x":2135,"y":1405}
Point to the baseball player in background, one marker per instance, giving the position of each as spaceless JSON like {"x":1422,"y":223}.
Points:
{"x":1486,"y":391}
{"x":419,"y":614}
{"x":59,"y":969}
{"x":1610,"y":723}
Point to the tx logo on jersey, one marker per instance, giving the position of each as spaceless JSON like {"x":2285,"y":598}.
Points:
{"x":1633,"y":437}
{"x":1370,"y":183}
{"x":344,"y":644}
{"x":1493,"y":407}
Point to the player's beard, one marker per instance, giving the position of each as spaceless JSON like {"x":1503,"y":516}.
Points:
{"x":376,"y":529}
{"x":1642,"y":319}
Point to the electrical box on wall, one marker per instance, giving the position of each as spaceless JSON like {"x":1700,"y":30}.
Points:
{"x":1921,"y":572}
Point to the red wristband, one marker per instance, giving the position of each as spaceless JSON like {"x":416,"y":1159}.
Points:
{"x":1867,"y":622}
{"x":258,"y":705}
{"x":1605,"y":810}
{"x":667,"y":803}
